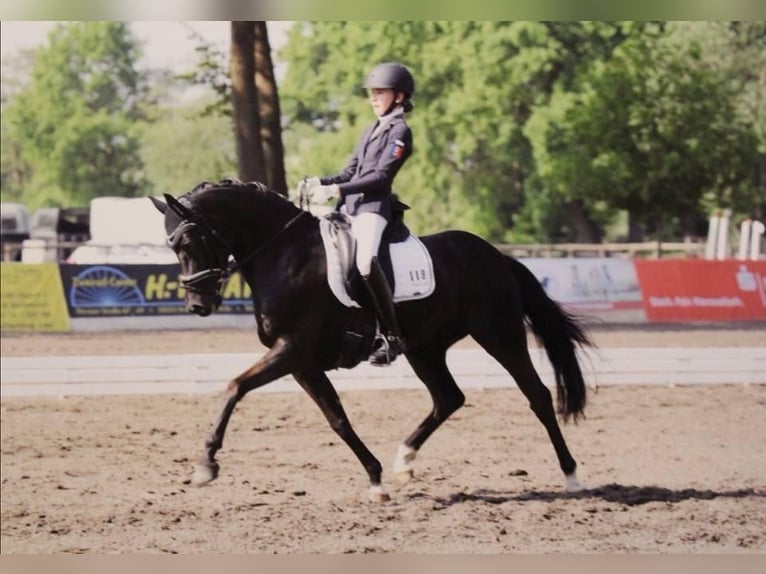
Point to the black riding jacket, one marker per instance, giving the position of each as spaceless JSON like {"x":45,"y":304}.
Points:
{"x":365,"y":183}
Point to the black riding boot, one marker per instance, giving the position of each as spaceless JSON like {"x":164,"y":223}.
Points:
{"x":391,"y":343}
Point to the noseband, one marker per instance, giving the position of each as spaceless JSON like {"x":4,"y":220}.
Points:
{"x":209,"y":281}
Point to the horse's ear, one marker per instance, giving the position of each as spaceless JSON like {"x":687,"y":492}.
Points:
{"x":176,"y":205}
{"x":159,"y":204}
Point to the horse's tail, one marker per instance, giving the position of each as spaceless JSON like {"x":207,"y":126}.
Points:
{"x":560,"y":333}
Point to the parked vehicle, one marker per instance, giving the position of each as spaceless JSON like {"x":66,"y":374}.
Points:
{"x":55,"y":233}
{"x":14,"y":229}
{"x":124,"y":230}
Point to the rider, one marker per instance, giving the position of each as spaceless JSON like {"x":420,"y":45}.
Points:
{"x":363,"y":190}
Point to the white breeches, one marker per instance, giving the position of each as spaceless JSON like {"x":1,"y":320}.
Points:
{"x":367,"y":229}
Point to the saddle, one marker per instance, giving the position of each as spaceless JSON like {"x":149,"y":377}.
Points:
{"x":340,"y":230}
{"x":404,"y":259}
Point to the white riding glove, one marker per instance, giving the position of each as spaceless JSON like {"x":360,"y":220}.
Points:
{"x":324,"y":193}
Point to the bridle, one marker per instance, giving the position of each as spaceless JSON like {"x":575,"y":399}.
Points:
{"x":211,"y":281}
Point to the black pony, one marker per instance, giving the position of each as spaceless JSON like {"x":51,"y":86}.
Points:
{"x":278,"y":249}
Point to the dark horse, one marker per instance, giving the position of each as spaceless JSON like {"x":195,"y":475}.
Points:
{"x":278,"y":249}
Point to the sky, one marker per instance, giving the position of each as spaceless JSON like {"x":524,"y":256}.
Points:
{"x":166,"y":43}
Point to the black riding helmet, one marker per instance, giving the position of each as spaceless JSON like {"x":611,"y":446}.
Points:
{"x":394,"y":76}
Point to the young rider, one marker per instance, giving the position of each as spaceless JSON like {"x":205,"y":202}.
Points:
{"x":363,"y":190}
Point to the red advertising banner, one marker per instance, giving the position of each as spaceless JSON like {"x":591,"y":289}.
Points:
{"x":700,"y":290}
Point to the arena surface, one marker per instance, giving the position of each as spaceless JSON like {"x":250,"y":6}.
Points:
{"x":670,"y":469}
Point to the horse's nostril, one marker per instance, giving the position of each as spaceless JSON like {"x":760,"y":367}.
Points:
{"x":198,"y":310}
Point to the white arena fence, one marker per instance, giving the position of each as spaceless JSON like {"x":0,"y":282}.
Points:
{"x":209,"y":373}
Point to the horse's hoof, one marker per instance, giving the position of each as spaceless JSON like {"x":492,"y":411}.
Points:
{"x":204,"y":474}
{"x":377,"y":495}
{"x":574,"y":485}
{"x":404,"y":476}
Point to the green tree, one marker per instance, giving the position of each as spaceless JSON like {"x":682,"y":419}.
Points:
{"x":14,"y":170}
{"x":650,"y":131}
{"x":476,"y":86}
{"x":737,"y":50}
{"x":207,"y":151}
{"x":72,"y":123}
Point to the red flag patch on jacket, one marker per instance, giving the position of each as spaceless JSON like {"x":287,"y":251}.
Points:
{"x":397,"y":149}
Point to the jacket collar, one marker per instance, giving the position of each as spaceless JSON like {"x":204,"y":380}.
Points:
{"x":384,"y":122}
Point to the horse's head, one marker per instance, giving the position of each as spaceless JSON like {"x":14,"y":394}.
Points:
{"x":200,"y":250}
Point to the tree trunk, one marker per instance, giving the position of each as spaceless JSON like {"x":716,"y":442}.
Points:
{"x":587,"y":231}
{"x":268,"y":105}
{"x":247,"y":121}
{"x":636,"y":231}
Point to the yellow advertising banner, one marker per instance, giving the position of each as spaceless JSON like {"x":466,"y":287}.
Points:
{"x":32,"y":298}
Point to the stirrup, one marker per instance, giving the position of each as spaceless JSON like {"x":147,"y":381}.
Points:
{"x":390,"y":347}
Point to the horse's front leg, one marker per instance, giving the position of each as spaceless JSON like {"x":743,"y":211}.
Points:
{"x":319,"y":388}
{"x":273,"y":365}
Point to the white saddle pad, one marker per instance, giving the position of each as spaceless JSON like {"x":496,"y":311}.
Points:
{"x":413,"y":269}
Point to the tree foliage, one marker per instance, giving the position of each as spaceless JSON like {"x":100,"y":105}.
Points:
{"x":540,"y":131}
{"x":184,"y":145}
{"x":523,"y":131}
{"x":477,"y":84}
{"x":72,"y":124}
{"x":652,"y":131}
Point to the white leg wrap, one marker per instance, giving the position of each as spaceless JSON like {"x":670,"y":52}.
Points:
{"x":572,"y":484}
{"x":377,"y":494}
{"x":202,"y":476}
{"x":404,"y":456}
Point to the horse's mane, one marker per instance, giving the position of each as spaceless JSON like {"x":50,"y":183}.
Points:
{"x":245,"y":194}
{"x":228,"y":183}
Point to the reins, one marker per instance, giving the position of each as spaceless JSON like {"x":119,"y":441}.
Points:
{"x":236,"y":265}
{"x":222,"y":270}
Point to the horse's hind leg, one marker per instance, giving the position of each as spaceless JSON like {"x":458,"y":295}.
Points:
{"x":430,"y":366}
{"x":510,"y":350}
{"x":319,"y":388}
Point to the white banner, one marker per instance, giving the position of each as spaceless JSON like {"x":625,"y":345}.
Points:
{"x":589,"y":284}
